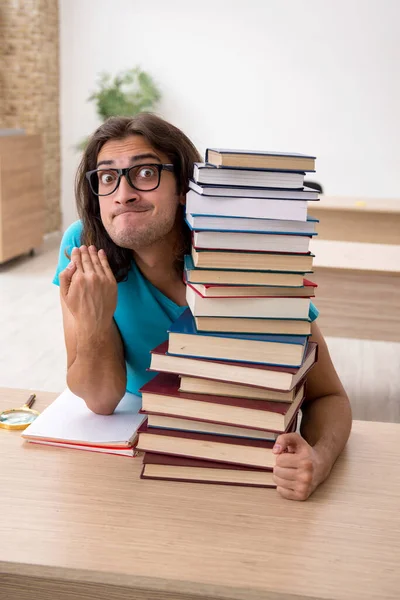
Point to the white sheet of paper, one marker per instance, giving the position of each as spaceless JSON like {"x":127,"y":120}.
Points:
{"x":69,"y":419}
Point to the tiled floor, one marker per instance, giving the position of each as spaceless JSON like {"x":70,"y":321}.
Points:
{"x":32,"y":353}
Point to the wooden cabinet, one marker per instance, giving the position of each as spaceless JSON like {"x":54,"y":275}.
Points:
{"x":22,"y":202}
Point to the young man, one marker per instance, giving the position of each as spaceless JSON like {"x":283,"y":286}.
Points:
{"x":120,"y":277}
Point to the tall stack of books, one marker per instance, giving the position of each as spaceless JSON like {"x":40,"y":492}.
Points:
{"x":232,"y":374}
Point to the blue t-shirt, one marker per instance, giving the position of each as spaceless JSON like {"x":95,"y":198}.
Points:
{"x":143,"y":314}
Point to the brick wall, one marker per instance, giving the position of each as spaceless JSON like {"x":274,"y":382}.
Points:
{"x":29,"y":84}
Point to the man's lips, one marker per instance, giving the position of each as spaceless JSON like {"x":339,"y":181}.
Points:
{"x":135,"y":210}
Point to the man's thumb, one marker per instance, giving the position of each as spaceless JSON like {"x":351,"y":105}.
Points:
{"x":287,"y":442}
{"x":65,"y":278}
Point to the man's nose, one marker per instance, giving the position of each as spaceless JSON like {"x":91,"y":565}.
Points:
{"x":125,"y":193}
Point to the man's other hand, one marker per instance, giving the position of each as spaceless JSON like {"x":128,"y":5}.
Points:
{"x":298,"y":469}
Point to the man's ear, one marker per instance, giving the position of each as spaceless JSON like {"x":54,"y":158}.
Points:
{"x":182,"y":199}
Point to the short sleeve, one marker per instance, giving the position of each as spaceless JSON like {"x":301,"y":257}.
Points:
{"x":313,"y":312}
{"x":70,"y":239}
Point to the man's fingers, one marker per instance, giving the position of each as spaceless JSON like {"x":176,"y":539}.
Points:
{"x":287,"y":473}
{"x":86,"y":260}
{"x":95,"y":260}
{"x":288,"y":461}
{"x":76,"y":259}
{"x":105,"y":264}
{"x":286,"y":493}
{"x":65,"y":278}
{"x":285,"y":483}
{"x":288,"y":442}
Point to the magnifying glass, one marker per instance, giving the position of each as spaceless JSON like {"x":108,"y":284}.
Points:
{"x":19,"y":418}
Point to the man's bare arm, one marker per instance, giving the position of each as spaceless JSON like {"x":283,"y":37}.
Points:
{"x":327,"y":417}
{"x":305,"y":461}
{"x":96,"y":369}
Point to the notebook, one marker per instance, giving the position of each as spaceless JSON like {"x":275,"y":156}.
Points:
{"x":68,"y":422}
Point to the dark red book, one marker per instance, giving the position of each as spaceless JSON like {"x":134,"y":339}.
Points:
{"x":179,"y":468}
{"x":220,"y":448}
{"x":161,"y":396}
{"x":265,"y":376}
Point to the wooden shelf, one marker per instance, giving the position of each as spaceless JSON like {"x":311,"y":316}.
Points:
{"x":369,"y":220}
{"x":22,"y":204}
{"x":358,"y":289}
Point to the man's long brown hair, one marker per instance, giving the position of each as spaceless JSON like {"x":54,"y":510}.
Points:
{"x":162,"y":136}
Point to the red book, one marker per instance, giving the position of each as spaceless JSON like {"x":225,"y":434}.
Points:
{"x":220,"y":448}
{"x":265,"y":376}
{"x":178,"y":468}
{"x":161,"y":396}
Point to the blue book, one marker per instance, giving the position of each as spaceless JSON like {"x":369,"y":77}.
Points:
{"x":277,"y":350}
{"x":197,"y":222}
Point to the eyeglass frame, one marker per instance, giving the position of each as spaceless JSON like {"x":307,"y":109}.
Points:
{"x":125,"y":172}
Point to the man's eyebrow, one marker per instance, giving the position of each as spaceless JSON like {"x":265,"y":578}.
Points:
{"x":134,"y":158}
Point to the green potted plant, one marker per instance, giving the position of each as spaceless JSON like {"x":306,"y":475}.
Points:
{"x":125,"y":94}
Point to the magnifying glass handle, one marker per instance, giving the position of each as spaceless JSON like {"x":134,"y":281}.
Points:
{"x":30,"y":401}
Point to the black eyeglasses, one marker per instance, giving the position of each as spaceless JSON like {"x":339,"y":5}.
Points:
{"x":144,"y":178}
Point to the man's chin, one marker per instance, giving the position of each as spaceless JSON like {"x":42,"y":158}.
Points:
{"x":133,"y":239}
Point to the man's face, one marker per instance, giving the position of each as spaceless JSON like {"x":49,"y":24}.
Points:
{"x":135,"y":219}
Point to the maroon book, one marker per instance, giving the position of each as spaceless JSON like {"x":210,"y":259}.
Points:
{"x":161,"y":396}
{"x":257,"y":375}
{"x":153,"y":458}
{"x":187,"y":470}
{"x":208,"y":447}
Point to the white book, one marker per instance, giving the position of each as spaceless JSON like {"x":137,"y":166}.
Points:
{"x":215,"y":223}
{"x":306,"y":193}
{"x":68,"y":422}
{"x":261,"y":242}
{"x":267,"y":308}
{"x":205,"y":173}
{"x":256,"y":208}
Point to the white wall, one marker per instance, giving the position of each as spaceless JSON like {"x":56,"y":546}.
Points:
{"x":313,"y":76}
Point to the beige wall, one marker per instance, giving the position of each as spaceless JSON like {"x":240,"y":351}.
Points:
{"x":29,"y":84}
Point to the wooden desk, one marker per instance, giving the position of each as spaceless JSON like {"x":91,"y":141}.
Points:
{"x":368,"y":220}
{"x":358,"y":292}
{"x":82,"y":525}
